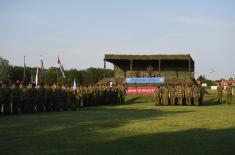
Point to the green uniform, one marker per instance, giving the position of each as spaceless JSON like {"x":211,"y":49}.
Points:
{"x":6,"y":101}
{"x":165,"y":95}
{"x":49,"y":99}
{"x":183,"y":95}
{"x":1,"y":99}
{"x":16,"y":99}
{"x":229,"y":94}
{"x":172,"y":95}
{"x":188,"y":95}
{"x":42,"y":99}
{"x":157,"y":96}
{"x":200,"y":96}
{"x":220,"y":94}
{"x":196,"y":95}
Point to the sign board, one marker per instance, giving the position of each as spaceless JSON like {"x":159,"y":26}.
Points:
{"x":159,"y":80}
{"x":141,"y":90}
{"x":204,"y":84}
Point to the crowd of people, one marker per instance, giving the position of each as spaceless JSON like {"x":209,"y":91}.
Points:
{"x":179,"y":94}
{"x":19,"y":98}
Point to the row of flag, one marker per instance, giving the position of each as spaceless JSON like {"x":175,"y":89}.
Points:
{"x":60,"y":66}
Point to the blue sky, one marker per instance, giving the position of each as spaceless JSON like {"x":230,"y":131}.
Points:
{"x":81,"y":32}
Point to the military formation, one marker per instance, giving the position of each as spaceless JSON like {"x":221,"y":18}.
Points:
{"x":224,"y":92}
{"x":179,"y":94}
{"x":19,"y":98}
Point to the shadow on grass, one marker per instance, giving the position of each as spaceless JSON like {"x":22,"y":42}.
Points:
{"x":132,"y":99}
{"x":195,"y":141}
{"x":70,"y":132}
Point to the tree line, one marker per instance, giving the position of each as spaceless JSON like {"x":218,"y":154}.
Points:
{"x":12,"y":74}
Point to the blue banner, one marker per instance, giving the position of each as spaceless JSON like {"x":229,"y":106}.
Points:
{"x":145,"y":80}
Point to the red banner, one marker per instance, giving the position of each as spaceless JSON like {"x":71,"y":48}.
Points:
{"x":141,"y":90}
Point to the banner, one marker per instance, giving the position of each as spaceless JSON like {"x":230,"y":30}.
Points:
{"x":140,"y":90}
{"x":145,"y":80}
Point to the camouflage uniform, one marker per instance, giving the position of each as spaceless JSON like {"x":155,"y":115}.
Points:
{"x":220,"y":94}
{"x":1,"y":98}
{"x":172,"y":95}
{"x":192,"y":94}
{"x":49,"y":99}
{"x":6,"y":100}
{"x":229,"y":94}
{"x":188,"y":95}
{"x":157,"y":96}
{"x":183,"y":95}
{"x":16,"y":99}
{"x":166,"y":95}
{"x":42,"y":99}
{"x":200,"y":95}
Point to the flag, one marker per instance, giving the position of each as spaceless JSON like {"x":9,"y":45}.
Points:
{"x":74,"y":84}
{"x":36,"y":78}
{"x":42,"y":65}
{"x":61,"y":67}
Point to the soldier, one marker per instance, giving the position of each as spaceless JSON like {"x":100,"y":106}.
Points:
{"x":79,"y":96}
{"x":183,"y":94}
{"x":157,"y":95}
{"x":1,"y":97}
{"x":176,"y":95}
{"x":71,"y":94}
{"x":6,"y":96}
{"x":172,"y":94}
{"x":49,"y":98}
{"x":161,"y":93}
{"x":33,"y":98}
{"x":85,"y":96}
{"x":200,"y":95}
{"x":64,"y":99}
{"x":57,"y":99}
{"x":42,"y":98}
{"x":196,"y":95}
{"x":229,"y":94}
{"x":220,"y":94}
{"x":16,"y":98}
{"x":166,"y":95}
{"x":192,"y":94}
{"x":188,"y":94}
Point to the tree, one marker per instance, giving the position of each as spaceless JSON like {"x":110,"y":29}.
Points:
{"x":5,"y":70}
{"x":203,"y":79}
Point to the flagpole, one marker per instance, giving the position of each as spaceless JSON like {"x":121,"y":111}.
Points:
{"x":24,"y":71}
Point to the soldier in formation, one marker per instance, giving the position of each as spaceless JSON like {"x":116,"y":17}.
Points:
{"x":28,"y":99}
{"x":229,"y":94}
{"x":179,"y":94}
{"x":220,"y":93}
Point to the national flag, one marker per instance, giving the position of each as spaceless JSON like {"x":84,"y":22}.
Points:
{"x":42,"y":65}
{"x":36,"y":78}
{"x":60,"y":66}
{"x":74,"y":84}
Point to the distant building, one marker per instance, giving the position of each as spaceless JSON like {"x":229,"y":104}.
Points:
{"x":228,"y":82}
{"x":175,"y":68}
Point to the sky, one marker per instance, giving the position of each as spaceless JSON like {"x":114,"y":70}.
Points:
{"x":81,"y":32}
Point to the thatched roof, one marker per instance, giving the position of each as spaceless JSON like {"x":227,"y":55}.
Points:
{"x":112,"y":57}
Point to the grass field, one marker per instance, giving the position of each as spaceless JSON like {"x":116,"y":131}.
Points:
{"x":138,"y":127}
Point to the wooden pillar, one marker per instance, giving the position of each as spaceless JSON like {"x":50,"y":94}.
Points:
{"x":189,"y":67}
{"x":104,"y":68}
{"x":131,"y":62}
{"x":104,"y":64}
{"x":159,"y":66}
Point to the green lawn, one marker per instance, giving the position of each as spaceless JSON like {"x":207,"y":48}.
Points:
{"x":138,"y":127}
